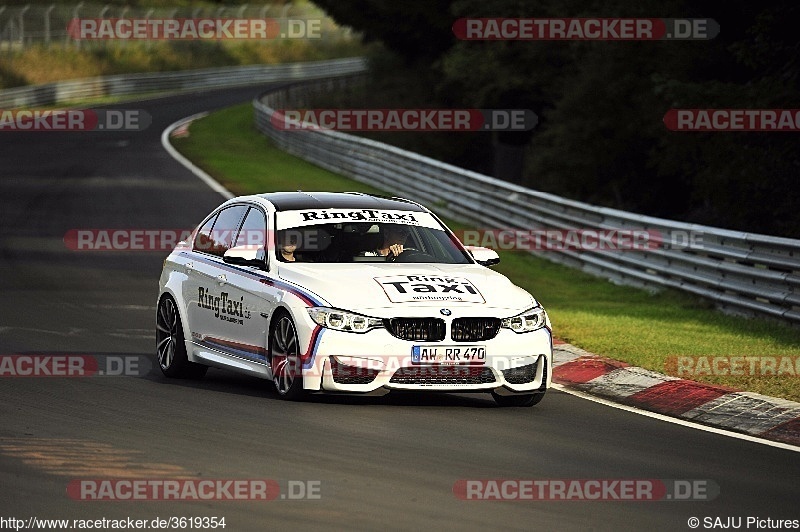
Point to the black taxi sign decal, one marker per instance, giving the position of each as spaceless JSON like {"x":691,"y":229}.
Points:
{"x":420,"y":288}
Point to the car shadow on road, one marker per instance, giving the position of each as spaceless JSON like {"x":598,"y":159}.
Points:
{"x":228,"y":382}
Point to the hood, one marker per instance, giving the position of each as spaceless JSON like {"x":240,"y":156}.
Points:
{"x":363,"y":287}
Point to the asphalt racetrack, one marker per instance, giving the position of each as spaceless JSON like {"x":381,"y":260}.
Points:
{"x":339,"y":462}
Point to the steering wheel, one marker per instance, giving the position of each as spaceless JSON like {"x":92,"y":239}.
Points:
{"x":411,"y":255}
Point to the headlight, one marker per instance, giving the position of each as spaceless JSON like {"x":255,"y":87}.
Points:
{"x":340,"y":320}
{"x":528,"y":321}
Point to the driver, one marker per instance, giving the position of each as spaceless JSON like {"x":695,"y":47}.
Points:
{"x":394,"y":240}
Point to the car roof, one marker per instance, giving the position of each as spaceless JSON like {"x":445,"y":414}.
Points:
{"x":290,"y":201}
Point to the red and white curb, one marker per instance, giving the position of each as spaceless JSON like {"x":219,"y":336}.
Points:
{"x":744,"y":412}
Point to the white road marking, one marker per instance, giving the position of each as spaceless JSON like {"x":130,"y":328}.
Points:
{"x":207,"y":179}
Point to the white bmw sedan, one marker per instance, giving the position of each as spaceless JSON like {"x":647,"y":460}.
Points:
{"x":348,"y":293}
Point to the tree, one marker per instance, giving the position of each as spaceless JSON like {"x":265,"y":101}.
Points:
{"x":601,"y":137}
{"x":418,"y":30}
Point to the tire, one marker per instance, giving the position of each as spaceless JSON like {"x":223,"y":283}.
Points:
{"x":284,"y":358}
{"x":518,"y":400}
{"x":170,"y":345}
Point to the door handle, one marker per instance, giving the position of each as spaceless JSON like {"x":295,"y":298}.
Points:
{"x":222,"y":279}
{"x":189,"y":267}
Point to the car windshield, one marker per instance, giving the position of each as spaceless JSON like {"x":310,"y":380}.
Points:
{"x":336,"y":236}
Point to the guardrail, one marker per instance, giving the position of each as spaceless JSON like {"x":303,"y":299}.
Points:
{"x":745,"y":273}
{"x":185,"y":80}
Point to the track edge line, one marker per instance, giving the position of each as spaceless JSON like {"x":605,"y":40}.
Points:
{"x":676,"y":421}
{"x":189,"y":165}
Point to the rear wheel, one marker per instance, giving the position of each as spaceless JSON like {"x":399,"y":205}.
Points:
{"x":518,"y":400}
{"x":284,"y":356}
{"x":170,"y":345}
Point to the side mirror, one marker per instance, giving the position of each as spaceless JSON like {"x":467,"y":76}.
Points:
{"x":484,"y":256}
{"x":245,"y":256}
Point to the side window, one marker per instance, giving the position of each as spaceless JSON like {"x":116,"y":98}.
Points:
{"x":254,"y":229}
{"x":224,"y":230}
{"x":202,"y":241}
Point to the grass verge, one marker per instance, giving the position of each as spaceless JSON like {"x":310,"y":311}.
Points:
{"x":623,"y":323}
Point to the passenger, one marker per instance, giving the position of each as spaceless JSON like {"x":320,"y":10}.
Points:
{"x":287,"y":245}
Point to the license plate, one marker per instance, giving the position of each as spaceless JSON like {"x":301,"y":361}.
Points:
{"x":448,"y":354}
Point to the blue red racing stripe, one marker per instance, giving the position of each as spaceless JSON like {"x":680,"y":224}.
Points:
{"x":289,"y":288}
{"x":309,"y":298}
{"x":250,"y":352}
{"x":550,"y":335}
{"x":259,"y":354}
{"x":313,"y":344}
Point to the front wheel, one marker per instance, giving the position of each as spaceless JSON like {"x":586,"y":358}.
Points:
{"x":170,"y":345}
{"x":518,"y":400}
{"x":284,"y":356}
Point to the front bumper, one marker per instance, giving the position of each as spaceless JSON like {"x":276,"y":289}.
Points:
{"x":377,"y":361}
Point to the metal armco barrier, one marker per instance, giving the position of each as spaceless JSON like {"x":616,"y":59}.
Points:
{"x":151,"y":82}
{"x":744,"y":273}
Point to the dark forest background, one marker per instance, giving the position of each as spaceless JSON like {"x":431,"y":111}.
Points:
{"x":600,"y":136}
